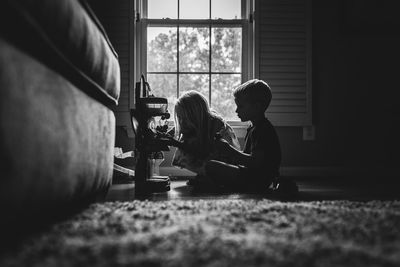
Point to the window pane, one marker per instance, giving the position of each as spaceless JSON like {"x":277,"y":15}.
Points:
{"x":164,"y":85}
{"x":194,"y":9}
{"x":226,"y":9}
{"x":197,"y":82}
{"x":161,"y":49}
{"x":194,"y":49}
{"x":158,"y":9}
{"x":226,"y":49}
{"x":222,"y":101}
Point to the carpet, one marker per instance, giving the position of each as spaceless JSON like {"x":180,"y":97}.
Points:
{"x":219,"y":233}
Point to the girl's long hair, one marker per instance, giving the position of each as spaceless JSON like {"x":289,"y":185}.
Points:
{"x":195,"y":120}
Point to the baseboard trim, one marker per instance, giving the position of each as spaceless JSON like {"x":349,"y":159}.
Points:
{"x":175,"y":171}
{"x":341,"y":171}
{"x":312,"y":171}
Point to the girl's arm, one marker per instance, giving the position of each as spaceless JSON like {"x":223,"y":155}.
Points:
{"x":241,"y":158}
{"x":171,"y":141}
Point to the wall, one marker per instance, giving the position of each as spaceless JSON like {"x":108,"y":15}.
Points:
{"x":114,"y":16}
{"x":355,"y":69}
{"x":354,"y":89}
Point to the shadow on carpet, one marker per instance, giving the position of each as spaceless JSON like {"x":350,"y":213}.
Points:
{"x":219,"y":233}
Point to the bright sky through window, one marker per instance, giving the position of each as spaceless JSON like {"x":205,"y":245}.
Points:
{"x":194,"y":9}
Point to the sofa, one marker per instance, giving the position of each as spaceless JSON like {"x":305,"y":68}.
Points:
{"x":59,"y":79}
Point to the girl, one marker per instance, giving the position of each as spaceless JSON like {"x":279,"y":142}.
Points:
{"x":197,"y":127}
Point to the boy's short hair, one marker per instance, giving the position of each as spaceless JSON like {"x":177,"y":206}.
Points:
{"x":254,"y":91}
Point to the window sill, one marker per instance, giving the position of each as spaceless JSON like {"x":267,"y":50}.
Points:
{"x":240,"y":128}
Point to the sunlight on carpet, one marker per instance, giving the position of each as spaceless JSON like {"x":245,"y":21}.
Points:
{"x":220,"y":233}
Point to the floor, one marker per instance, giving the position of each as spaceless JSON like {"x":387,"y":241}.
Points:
{"x":315,"y":188}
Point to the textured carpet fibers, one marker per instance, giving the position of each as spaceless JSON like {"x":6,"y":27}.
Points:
{"x":219,"y":233}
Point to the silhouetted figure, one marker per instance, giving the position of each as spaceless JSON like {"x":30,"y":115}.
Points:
{"x":258,"y":165}
{"x":195,"y":128}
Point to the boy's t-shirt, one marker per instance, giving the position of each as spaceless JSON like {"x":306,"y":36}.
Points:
{"x":262,"y":142}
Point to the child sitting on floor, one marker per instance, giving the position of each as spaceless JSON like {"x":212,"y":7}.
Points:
{"x":258,"y":164}
{"x":196,"y":127}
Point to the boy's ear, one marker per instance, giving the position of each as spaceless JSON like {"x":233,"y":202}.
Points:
{"x":264,"y":106}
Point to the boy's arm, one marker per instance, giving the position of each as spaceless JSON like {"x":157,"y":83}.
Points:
{"x":241,"y":158}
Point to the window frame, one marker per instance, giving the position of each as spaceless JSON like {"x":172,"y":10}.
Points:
{"x":141,"y":22}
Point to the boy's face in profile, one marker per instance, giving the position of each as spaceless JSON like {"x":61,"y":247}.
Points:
{"x":245,"y":110}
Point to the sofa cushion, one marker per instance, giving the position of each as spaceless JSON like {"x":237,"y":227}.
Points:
{"x":56,"y":145}
{"x":66,"y":35}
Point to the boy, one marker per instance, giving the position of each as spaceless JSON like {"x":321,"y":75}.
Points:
{"x":258,"y":164}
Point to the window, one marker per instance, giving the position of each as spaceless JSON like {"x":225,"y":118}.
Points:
{"x":213,"y":45}
{"x":203,"y":45}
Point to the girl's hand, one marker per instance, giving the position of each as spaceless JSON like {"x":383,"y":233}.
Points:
{"x":168,"y":139}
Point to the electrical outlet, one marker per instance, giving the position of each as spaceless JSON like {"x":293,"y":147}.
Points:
{"x":309,"y":133}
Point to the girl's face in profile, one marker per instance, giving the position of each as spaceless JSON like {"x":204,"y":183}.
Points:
{"x":184,"y":127}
